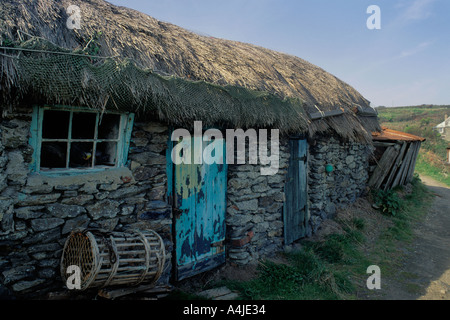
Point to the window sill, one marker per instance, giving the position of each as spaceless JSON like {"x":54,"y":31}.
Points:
{"x":80,"y":176}
{"x":74,"y":172}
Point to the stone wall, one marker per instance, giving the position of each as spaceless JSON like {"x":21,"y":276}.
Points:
{"x":254,"y":210}
{"x":255,"y":225}
{"x":37,"y":213}
{"x":328,"y":191}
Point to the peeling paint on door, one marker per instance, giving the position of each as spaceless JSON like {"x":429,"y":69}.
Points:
{"x":199,"y":193}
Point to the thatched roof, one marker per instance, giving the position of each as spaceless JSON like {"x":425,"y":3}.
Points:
{"x":171,"y":50}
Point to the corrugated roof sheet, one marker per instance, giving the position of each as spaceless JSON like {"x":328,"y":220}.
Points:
{"x":389,"y":134}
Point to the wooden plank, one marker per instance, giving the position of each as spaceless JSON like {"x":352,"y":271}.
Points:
{"x":130,"y":245}
{"x":125,"y":269}
{"x":326,"y":114}
{"x":398,"y":177}
{"x":412,"y":167}
{"x":185,"y":271}
{"x":411,"y":162}
{"x":295,"y":213}
{"x":395,"y":167}
{"x":382,"y":169}
{"x":128,"y":278}
{"x":123,"y":147}
{"x":69,"y":137}
{"x":200,"y":197}
{"x":383,"y":144}
{"x":408,"y":164}
{"x":34,"y":139}
{"x":404,"y":167}
{"x":419,"y":145}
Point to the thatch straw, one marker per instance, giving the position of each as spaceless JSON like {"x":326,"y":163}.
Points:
{"x":171,"y":50}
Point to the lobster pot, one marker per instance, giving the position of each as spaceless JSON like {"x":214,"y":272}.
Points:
{"x":108,"y":259}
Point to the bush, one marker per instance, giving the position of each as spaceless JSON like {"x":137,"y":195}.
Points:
{"x":388,"y":201}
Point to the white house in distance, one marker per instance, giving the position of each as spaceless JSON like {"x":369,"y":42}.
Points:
{"x":448,"y":155}
{"x":444,"y":128}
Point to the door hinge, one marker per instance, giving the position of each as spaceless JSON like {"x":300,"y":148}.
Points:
{"x":304,"y":158}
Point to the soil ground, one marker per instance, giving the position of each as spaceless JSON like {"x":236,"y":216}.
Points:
{"x":424,"y":273}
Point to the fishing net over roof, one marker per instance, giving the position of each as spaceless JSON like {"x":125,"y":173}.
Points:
{"x":233,"y":70}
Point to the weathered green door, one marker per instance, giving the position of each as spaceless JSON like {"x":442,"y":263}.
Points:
{"x":199,"y":201}
{"x":296,"y":208}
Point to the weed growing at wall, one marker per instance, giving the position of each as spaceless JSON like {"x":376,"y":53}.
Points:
{"x":388,"y":201}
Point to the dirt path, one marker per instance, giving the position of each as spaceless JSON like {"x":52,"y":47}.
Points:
{"x":425,"y":272}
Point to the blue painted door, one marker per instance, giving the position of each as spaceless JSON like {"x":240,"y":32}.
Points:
{"x":199,"y":200}
{"x":295,"y":207}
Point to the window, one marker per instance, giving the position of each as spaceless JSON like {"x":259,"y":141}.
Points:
{"x":71,"y":139}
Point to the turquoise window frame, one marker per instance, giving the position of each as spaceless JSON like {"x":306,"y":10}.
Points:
{"x":123,"y":140}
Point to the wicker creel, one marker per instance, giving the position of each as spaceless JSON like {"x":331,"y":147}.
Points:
{"x":114,"y":258}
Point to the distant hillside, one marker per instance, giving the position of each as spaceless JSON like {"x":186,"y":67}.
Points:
{"x":420,"y":120}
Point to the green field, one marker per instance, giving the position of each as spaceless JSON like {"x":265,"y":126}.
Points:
{"x":420,"y":120}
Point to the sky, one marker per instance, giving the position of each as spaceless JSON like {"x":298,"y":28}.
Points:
{"x":405,"y":62}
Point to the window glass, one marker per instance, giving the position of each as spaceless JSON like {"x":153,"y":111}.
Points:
{"x":77,"y":139}
{"x":53,"y":154}
{"x":55,"y":124}
{"x":83,"y":125}
{"x":108,"y":127}
{"x":81,"y":154}
{"x":105,"y":154}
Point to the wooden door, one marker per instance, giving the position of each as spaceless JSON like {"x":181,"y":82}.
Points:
{"x":296,"y":208}
{"x":199,"y":200}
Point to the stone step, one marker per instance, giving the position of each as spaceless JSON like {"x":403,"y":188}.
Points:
{"x":222,"y":293}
